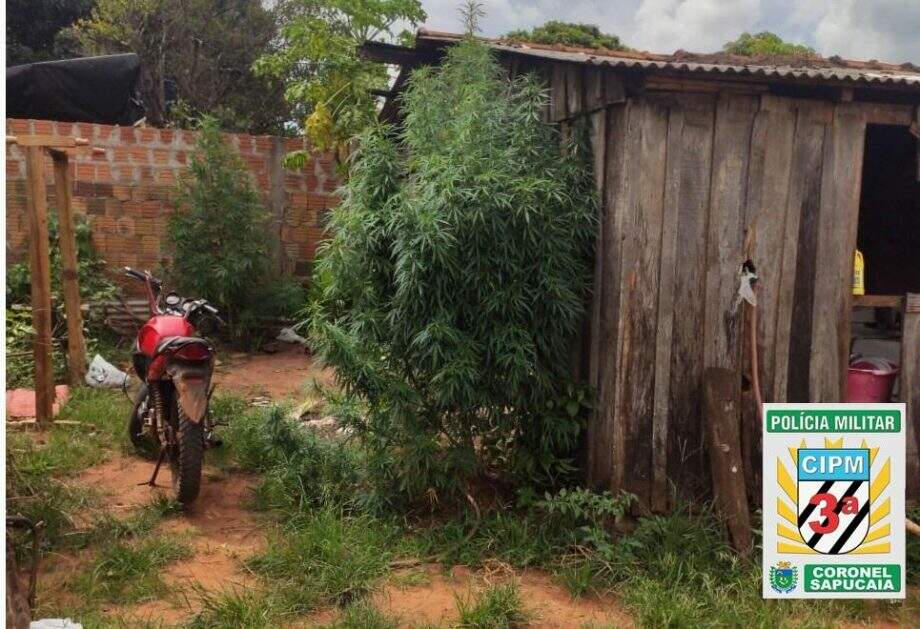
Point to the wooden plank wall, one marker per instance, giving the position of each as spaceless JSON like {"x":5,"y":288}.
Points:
{"x":693,"y":184}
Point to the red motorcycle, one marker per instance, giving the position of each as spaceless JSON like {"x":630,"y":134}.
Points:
{"x":175,"y":366}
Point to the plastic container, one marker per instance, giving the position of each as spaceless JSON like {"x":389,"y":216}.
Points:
{"x":859,"y":274}
{"x":870,"y":380}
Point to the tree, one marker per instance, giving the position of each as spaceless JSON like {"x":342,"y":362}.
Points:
{"x":454,"y":281}
{"x":204,"y":48}
{"x":765,"y":43}
{"x":34,"y":29}
{"x":568,"y":34}
{"x":318,"y":62}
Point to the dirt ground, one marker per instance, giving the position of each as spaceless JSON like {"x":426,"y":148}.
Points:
{"x":281,"y":375}
{"x":222,"y":533}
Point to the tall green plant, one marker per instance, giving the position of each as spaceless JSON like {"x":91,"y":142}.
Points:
{"x":455,"y":278}
{"x":219,"y":233}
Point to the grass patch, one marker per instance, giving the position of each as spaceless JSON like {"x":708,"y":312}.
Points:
{"x":363,"y":615}
{"x":327,"y":558}
{"x":237,"y":610}
{"x":38,"y":463}
{"x":130,"y":572}
{"x":497,"y":607}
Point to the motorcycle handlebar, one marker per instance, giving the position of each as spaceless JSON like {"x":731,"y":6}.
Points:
{"x":143,"y":277}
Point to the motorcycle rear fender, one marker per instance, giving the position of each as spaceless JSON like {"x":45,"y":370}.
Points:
{"x":192,"y":382}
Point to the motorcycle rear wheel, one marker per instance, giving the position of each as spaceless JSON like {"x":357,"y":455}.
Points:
{"x":186,"y":457}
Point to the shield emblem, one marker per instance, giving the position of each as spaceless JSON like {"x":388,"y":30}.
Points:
{"x":833,"y":498}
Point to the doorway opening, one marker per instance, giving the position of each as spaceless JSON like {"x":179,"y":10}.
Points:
{"x":889,"y":238}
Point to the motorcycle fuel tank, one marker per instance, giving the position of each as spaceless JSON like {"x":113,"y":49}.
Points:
{"x":159,"y":328}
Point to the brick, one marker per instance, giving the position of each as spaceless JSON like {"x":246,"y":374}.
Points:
{"x":124,"y":226}
{"x":113,"y":208}
{"x":160,"y":157}
{"x":263,"y":143}
{"x":139,"y":155}
{"x":103,"y":172}
{"x":166,"y":176}
{"x":43,"y":127}
{"x":18,"y":126}
{"x":128,"y":135}
{"x":96,"y":206}
{"x":86,"y":172}
{"x":149,"y":136}
{"x":146,"y":174}
{"x":166,"y":136}
{"x":106,"y":134}
{"x":86,"y":130}
{"x":122,"y":193}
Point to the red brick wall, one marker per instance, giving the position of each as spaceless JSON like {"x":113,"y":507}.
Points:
{"x":127,"y":192}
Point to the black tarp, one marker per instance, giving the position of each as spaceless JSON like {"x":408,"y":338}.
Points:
{"x":88,"y":89}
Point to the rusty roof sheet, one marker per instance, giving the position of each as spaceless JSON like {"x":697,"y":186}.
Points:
{"x":811,"y":68}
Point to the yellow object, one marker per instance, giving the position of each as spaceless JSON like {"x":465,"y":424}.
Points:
{"x":859,"y":274}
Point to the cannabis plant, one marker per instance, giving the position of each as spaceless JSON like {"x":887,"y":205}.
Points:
{"x":454,"y":280}
{"x":219,"y":234}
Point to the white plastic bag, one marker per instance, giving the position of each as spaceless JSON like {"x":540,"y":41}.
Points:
{"x":287,"y":335}
{"x":55,"y":623}
{"x":104,"y":375}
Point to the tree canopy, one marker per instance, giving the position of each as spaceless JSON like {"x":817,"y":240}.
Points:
{"x":568,"y":34}
{"x":765,"y":43}
{"x":202,"y":50}
{"x":455,"y":278}
{"x":35,"y":29}
{"x":317,"y":60}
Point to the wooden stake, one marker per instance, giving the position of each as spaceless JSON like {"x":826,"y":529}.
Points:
{"x":76,"y":350}
{"x":722,"y":413}
{"x":41,"y":284}
{"x":910,"y":388}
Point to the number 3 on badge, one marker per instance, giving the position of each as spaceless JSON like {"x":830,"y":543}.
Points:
{"x":828,"y":503}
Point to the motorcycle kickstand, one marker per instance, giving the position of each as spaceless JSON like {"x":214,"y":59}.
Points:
{"x":156,"y":470}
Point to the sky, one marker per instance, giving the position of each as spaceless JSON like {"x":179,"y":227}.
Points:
{"x":886,"y":30}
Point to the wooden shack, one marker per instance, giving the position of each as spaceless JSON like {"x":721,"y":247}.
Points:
{"x":703,"y":162}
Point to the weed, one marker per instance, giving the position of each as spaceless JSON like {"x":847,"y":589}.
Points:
{"x":37,"y":464}
{"x":107,"y":527}
{"x":300,"y":470}
{"x":127,"y":573}
{"x":362,"y":615}
{"x":327,"y":558}
{"x":410,"y":578}
{"x":497,"y":607}
{"x":235,"y":610}
{"x":577,"y":577}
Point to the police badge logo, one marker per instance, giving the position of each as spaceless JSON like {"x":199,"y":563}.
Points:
{"x":836,"y":495}
{"x":783,"y":577}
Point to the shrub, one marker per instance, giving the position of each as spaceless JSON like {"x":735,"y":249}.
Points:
{"x":455,"y":278}
{"x":220,"y":239}
{"x":95,"y":286}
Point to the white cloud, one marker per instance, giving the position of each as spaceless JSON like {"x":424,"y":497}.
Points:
{"x":698,"y":25}
{"x":887,"y":30}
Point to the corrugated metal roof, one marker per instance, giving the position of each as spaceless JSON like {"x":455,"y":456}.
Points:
{"x":818,"y":69}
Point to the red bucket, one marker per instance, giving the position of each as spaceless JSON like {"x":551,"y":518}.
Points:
{"x":870,"y":380}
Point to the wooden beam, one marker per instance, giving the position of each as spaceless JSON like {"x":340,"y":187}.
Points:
{"x":878,"y":301}
{"x":76,"y":349}
{"x":40,"y":266}
{"x":910,"y":390}
{"x":47,"y":141}
{"x":722,"y":412}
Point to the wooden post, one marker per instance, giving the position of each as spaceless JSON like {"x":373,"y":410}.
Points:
{"x":40,"y":264}
{"x":722,"y":414}
{"x":76,"y":350}
{"x":910,"y":390}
